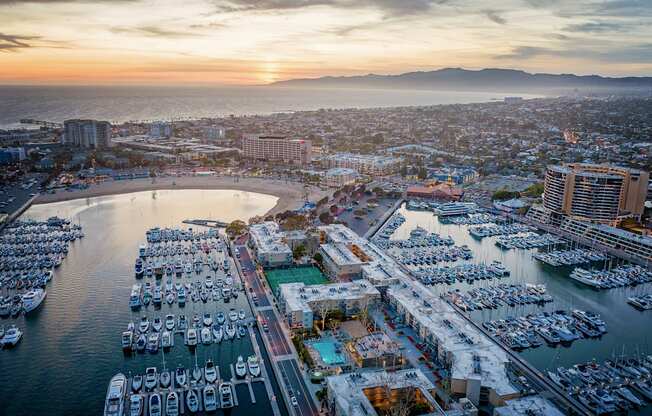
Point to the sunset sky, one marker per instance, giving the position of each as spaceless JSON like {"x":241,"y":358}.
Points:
{"x":261,"y":41}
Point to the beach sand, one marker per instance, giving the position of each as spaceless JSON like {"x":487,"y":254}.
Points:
{"x":290,"y":194}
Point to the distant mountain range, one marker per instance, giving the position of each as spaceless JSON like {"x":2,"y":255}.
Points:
{"x":480,"y":80}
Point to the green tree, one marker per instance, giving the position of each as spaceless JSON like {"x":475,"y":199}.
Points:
{"x":236,"y":228}
{"x":299,"y":251}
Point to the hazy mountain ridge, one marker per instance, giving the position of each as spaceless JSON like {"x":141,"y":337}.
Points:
{"x":464,"y":79}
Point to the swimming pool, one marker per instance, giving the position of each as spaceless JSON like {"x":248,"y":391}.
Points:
{"x":328,"y":352}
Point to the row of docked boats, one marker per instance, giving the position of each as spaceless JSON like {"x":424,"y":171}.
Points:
{"x":570,"y":257}
{"x":164,"y":235}
{"x":213,"y":290}
{"x":22,"y":303}
{"x":473,"y":219}
{"x":496,"y":296}
{"x":391,"y":225}
{"x":620,"y":385}
{"x":528,"y":241}
{"x":465,"y":272}
{"x":493,"y":230}
{"x":642,"y":302}
{"x":629,"y":275}
{"x":149,"y":336}
{"x":558,"y":327}
{"x":180,"y":265}
{"x":194,"y":247}
{"x":419,"y":238}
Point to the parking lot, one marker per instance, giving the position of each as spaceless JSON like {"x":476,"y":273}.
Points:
{"x":15,"y":195}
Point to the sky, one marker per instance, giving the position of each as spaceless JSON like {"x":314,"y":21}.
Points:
{"x":242,"y":42}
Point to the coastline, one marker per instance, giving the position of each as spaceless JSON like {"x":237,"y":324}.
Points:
{"x":289,"y":194}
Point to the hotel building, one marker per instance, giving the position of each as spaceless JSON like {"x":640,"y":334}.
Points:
{"x":87,"y":133}
{"x":596,"y":193}
{"x":277,"y":148}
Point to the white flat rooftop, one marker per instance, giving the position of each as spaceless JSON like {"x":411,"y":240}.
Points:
{"x":298,"y":296}
{"x":268,"y":239}
{"x":528,"y":406}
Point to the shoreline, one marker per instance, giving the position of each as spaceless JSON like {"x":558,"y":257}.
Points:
{"x":290,"y":194}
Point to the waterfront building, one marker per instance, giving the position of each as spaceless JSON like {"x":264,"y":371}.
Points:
{"x":371,"y":393}
{"x":338,"y":177}
{"x":160,"y":129}
{"x":340,"y":262}
{"x":269,"y":246}
{"x":438,"y":191}
{"x":301,"y":304}
{"x":476,"y":366}
{"x":597,"y":193}
{"x":376,"y":267}
{"x":526,"y":406}
{"x":87,"y":133}
{"x":277,"y":149}
{"x":373,"y":165}
{"x":376,"y":350}
{"x":12,"y":155}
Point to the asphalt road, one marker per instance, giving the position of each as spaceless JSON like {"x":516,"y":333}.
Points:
{"x":291,"y":378}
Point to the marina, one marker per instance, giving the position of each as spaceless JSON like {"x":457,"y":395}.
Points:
{"x":616,"y":385}
{"x":501,"y":295}
{"x":558,"y":327}
{"x":570,"y":257}
{"x":460,"y":272}
{"x":630,"y":275}
{"x":88,"y":308}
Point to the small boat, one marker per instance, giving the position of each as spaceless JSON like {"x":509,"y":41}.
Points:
{"x":233,"y":315}
{"x":205,"y":334}
{"x":153,"y":343}
{"x":165,"y":379}
{"x":12,"y":336}
{"x":141,"y":343}
{"x":253,"y":366}
{"x":172,"y":404}
{"x":192,"y":401}
{"x":180,"y":376}
{"x":136,"y":405}
{"x":183,"y":323}
{"x":241,"y":314}
{"x":217,"y":333}
{"x":157,"y":324}
{"x":115,"y":396}
{"x":240,"y":367}
{"x":230,"y":331}
{"x":226,"y":395}
{"x":208,"y":319}
{"x":191,"y":337}
{"x":143,"y":325}
{"x":137,"y":383}
{"x":167,"y":340}
{"x":241,"y":331}
{"x":197,"y":374}
{"x":169,"y":322}
{"x":151,"y":378}
{"x":210,"y":399}
{"x":169,"y":298}
{"x":127,"y":340}
{"x":210,"y":372}
{"x":155,"y":406}
{"x":220,"y":318}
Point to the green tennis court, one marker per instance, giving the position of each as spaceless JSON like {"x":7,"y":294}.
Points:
{"x":307,"y":275}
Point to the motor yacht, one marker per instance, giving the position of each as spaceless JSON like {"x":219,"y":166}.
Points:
{"x":210,"y":372}
{"x":155,"y":405}
{"x":143,"y":325}
{"x":157,"y":324}
{"x":253,"y":366}
{"x":240,"y":367}
{"x":210,"y":399}
{"x":127,"y":340}
{"x":230,"y":331}
{"x":136,"y":405}
{"x":151,"y":378}
{"x":233,"y":315}
{"x":217,"y":333}
{"x":167,"y":339}
{"x":220,"y":318}
{"x":208,"y":319}
{"x":32,"y":299}
{"x":115,"y":396}
{"x":153,"y":342}
{"x":241,"y":315}
{"x":205,"y":335}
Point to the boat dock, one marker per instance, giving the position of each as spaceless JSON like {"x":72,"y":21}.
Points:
{"x":207,"y":223}
{"x":571,"y":257}
{"x":499,"y":295}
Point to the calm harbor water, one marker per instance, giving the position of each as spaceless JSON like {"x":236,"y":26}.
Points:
{"x":123,"y":103}
{"x":71,"y":345}
{"x":629,"y":330}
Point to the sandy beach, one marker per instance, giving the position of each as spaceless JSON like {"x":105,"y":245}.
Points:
{"x":290,"y":194}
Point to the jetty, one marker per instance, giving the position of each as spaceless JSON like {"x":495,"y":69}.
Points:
{"x":206,"y":223}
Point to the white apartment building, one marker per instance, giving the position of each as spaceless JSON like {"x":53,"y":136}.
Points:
{"x":277,"y":148}
{"x":301,"y":303}
{"x":269,"y":246}
{"x":374,"y":165}
{"x":338,"y":177}
{"x":87,"y":133}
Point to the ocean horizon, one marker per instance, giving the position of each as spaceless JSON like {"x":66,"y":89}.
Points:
{"x":147,"y":103}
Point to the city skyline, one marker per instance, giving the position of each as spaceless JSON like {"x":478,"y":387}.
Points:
{"x":253,"y":42}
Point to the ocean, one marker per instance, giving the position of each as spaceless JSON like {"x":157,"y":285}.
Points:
{"x":125,"y":103}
